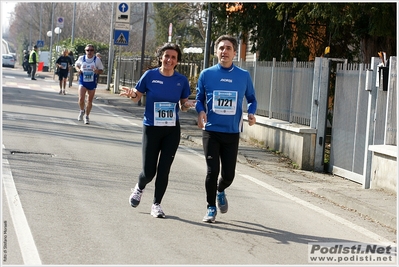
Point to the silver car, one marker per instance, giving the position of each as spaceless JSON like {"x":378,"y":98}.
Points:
{"x":8,"y":60}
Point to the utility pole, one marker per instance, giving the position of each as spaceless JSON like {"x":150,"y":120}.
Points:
{"x":143,"y":42}
{"x":40,"y":26}
{"x":143,"y":38}
{"x":208,"y":37}
{"x":111,"y":50}
{"x":73,"y":24}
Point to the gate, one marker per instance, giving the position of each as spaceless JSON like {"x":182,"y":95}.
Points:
{"x":349,"y":122}
{"x":359,"y":119}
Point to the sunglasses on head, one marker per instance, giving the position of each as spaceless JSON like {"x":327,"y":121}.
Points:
{"x":90,"y":50}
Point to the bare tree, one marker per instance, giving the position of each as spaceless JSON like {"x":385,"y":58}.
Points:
{"x":31,"y":21}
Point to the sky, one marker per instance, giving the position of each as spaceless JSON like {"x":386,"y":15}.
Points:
{"x":6,"y":8}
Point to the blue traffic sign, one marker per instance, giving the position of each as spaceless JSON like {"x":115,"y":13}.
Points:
{"x":40,"y":43}
{"x":121,"y":37}
{"x":123,"y":7}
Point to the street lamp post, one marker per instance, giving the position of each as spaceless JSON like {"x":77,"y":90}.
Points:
{"x":58,"y":31}
{"x":50,"y":35}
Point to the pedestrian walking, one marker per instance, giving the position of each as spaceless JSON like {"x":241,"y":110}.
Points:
{"x":220,"y":93}
{"x":25,"y":63}
{"x":71,"y":70}
{"x":88,"y":66}
{"x":166,"y":91}
{"x":64,"y":64}
{"x":98,"y":76}
{"x":33,"y":61}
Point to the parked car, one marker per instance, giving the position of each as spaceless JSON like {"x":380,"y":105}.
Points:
{"x":8,"y":60}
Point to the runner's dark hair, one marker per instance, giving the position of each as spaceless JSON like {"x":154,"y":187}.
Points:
{"x":168,"y":46}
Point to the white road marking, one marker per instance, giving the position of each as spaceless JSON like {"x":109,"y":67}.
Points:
{"x":193,"y":152}
{"x":47,"y":89}
{"x":318,"y":210}
{"x":14,"y":117}
{"x":26,"y":242}
{"x":115,"y":115}
{"x":64,"y":121}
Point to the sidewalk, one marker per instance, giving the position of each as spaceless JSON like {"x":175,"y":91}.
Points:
{"x":377,"y":205}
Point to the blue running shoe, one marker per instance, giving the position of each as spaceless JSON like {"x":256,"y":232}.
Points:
{"x":222,"y":202}
{"x":210,"y":215}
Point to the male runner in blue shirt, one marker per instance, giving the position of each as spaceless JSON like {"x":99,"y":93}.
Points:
{"x":220,"y":93}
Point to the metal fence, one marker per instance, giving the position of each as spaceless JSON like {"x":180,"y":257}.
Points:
{"x":283,"y":89}
{"x":129,"y":68}
{"x":289,"y":91}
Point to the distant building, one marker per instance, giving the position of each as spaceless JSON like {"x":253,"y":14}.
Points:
{"x":5,"y":49}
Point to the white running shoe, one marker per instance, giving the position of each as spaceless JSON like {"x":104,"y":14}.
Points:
{"x":87,"y":120}
{"x":81,"y":114}
{"x":157,"y":211}
{"x":135,"y":197}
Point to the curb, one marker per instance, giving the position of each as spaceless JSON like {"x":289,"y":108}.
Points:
{"x":383,"y":217}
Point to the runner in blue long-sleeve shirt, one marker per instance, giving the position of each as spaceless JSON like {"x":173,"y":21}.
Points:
{"x":220,"y":94}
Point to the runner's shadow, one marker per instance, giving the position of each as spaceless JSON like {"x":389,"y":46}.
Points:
{"x":256,"y":229}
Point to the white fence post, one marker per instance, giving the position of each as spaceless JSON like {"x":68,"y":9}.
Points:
{"x":372,"y":101}
{"x":319,"y":108}
{"x":271,"y":88}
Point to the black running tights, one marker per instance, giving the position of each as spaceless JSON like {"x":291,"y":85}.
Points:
{"x":159,"y":147}
{"x":219,"y":149}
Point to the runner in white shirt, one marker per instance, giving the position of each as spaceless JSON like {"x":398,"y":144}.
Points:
{"x":89,"y":67}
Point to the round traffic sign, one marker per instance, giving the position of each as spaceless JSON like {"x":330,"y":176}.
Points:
{"x":123,"y":7}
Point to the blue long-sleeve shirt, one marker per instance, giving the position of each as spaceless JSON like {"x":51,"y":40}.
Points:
{"x":220,"y":94}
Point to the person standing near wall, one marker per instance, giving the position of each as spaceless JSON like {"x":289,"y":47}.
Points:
{"x":33,"y":61}
{"x":26,"y":62}
{"x":64,"y":64}
{"x":220,"y":93}
{"x":88,"y":66}
{"x":98,"y":76}
{"x":71,"y":70}
{"x":166,"y":91}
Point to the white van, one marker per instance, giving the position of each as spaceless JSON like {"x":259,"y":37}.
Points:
{"x":44,"y":56}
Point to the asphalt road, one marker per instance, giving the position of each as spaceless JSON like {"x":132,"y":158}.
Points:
{"x":66,"y":187}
